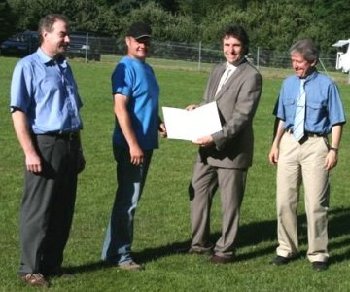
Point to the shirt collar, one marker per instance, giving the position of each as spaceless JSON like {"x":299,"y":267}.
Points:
{"x":45,"y":59}
{"x":311,"y":76}
{"x":230,"y":66}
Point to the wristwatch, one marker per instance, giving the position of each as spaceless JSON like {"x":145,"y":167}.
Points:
{"x":333,"y":149}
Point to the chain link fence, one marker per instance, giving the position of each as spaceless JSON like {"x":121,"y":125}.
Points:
{"x":198,"y":53}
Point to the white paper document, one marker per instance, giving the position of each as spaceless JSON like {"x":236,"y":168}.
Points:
{"x":191,"y":125}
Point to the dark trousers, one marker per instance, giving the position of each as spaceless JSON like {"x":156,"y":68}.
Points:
{"x":48,"y":204}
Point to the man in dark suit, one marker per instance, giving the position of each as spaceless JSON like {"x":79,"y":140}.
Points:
{"x":224,"y":157}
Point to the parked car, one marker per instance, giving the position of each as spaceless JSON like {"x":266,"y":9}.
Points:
{"x":84,"y":45}
{"x":20,"y":44}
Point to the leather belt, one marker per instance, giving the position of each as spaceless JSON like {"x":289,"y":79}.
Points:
{"x":307,"y":133}
{"x":62,"y":135}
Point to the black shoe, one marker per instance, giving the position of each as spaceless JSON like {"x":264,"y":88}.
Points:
{"x":207,"y":252}
{"x":53,"y":273}
{"x":280,"y":261}
{"x":320,"y":266}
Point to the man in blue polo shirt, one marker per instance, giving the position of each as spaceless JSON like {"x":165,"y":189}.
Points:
{"x":135,"y":90}
{"x":308,"y":109}
{"x":45,"y":106}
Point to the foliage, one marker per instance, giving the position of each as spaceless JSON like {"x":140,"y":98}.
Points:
{"x":165,"y":25}
{"x":271,"y":24}
{"x":7,"y":20}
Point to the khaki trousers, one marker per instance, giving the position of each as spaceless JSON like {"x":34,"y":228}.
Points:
{"x":303,"y":163}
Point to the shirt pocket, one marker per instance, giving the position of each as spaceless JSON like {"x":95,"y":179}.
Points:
{"x":289,"y":108}
{"x":315,"y":112}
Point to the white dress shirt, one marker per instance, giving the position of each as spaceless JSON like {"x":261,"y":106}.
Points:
{"x":228,"y":72}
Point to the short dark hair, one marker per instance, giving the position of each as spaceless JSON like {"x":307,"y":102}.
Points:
{"x":46,"y":23}
{"x":238,"y":32}
{"x":307,"y":48}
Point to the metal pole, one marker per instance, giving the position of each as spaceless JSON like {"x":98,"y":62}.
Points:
{"x":323,"y":66}
{"x":257,"y":58}
{"x":199,"y":55}
{"x":86,"y":47}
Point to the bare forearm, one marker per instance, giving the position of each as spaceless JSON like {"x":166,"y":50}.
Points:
{"x":336,"y":136}
{"x":124,"y":119}
{"x":32,"y":158}
{"x":279,"y":133}
{"x":22,"y":132}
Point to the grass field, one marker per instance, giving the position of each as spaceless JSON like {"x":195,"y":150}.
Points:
{"x":162,"y":226}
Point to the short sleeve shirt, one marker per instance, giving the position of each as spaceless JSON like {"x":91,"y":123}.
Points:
{"x":136,"y":80}
{"x":324,"y":107}
{"x":45,"y":90}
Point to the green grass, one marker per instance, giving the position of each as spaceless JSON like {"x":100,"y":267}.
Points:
{"x":162,"y":224}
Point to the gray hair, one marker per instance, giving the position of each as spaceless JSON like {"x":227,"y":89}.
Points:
{"x":307,"y":49}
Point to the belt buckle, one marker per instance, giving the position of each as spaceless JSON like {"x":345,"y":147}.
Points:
{"x":72,"y":135}
{"x":67,"y":135}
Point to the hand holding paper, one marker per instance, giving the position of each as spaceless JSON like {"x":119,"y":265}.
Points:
{"x":191,"y":125}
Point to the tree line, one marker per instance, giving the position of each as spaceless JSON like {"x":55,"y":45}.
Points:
{"x":271,"y":24}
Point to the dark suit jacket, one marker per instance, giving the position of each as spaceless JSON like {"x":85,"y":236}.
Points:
{"x":237,"y":103}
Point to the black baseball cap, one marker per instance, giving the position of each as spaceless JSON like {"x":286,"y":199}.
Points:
{"x":139,"y":30}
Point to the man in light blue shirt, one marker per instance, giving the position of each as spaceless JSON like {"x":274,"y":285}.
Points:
{"x":323,"y":104}
{"x":308,"y":109}
{"x":45,"y":106}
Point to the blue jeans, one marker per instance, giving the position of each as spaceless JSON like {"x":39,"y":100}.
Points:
{"x":131,"y":180}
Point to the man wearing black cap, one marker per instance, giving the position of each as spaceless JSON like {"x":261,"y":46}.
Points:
{"x":135,"y":92}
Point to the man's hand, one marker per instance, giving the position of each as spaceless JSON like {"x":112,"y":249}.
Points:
{"x":205,"y":141}
{"x":191,"y":107}
{"x":33,"y":163}
{"x":273,"y":155}
{"x":331,"y":159}
{"x":162,"y":130}
{"x":136,"y":155}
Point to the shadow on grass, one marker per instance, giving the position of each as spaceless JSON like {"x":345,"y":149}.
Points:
{"x":339,"y":234}
{"x":252,"y":234}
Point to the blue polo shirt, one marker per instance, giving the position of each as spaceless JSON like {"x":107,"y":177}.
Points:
{"x":45,"y":90}
{"x":136,"y":80}
{"x":324,"y":108}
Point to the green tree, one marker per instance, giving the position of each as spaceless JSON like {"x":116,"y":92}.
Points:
{"x":7,"y":20}
{"x":31,"y":11}
{"x":271,"y":24}
{"x":166,"y":27}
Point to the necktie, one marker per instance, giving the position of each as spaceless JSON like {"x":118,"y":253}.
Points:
{"x":223,"y":80}
{"x":300,"y":113}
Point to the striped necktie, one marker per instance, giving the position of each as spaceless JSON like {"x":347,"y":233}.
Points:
{"x":223,"y":80}
{"x":300,"y":113}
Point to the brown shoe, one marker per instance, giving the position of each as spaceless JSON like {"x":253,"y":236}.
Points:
{"x":37,"y":280}
{"x":215,"y":259}
{"x":130,"y":266}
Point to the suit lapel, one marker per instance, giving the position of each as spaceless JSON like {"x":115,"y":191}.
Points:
{"x":217,"y":79}
{"x":229,"y":81}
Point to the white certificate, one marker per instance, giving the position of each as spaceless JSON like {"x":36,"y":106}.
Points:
{"x":191,"y":125}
